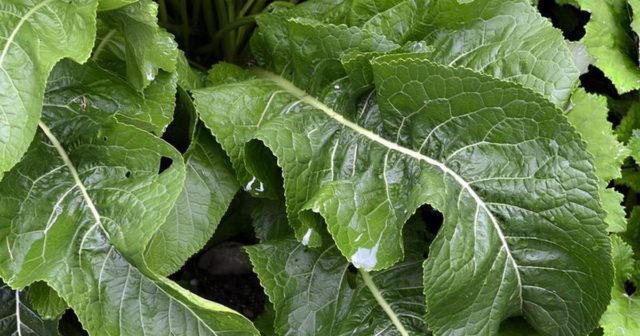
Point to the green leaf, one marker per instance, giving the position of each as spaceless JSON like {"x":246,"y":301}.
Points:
{"x":523,"y":231}
{"x":392,"y":18}
{"x":507,"y":39}
{"x":208,"y":190}
{"x":634,"y":145}
{"x":269,"y":219}
{"x":612,"y":203}
{"x":35,"y":36}
{"x":93,"y":87}
{"x":316,"y":48}
{"x":623,"y":313}
{"x":113,"y":4}
{"x":78,"y":213}
{"x":18,"y":318}
{"x":270,"y":44}
{"x":46,"y":301}
{"x":632,"y":235}
{"x":312,"y":295}
{"x":629,"y":122}
{"x":188,"y":78}
{"x":145,"y":46}
{"x":609,"y":41}
{"x":588,"y":114}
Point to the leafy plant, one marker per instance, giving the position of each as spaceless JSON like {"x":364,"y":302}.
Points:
{"x":396,"y":167}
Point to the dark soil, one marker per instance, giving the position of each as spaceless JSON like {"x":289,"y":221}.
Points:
{"x":240,"y":292}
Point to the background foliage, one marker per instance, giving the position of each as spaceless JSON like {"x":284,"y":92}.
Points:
{"x":328,"y":167}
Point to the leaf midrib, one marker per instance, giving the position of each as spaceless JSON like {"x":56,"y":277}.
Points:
{"x":15,"y":31}
{"x":92,"y":208}
{"x":303,"y":96}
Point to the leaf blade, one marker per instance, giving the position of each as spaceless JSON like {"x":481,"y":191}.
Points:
{"x":29,"y":51}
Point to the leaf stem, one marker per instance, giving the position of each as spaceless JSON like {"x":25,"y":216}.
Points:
{"x":382,"y":302}
{"x":74,"y":173}
{"x":102,"y":44}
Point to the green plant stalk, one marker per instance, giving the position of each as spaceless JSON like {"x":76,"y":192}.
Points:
{"x":184,"y":14}
{"x":368,"y":281}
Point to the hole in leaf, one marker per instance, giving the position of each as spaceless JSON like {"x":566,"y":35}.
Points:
{"x":629,"y":288}
{"x":432,"y":218}
{"x":569,"y":19}
{"x":165,"y":163}
{"x":594,"y":81}
{"x":516,"y":325}
{"x":127,"y":174}
{"x":352,"y":276}
{"x":70,"y":325}
{"x":178,"y":133}
{"x":104,"y":138}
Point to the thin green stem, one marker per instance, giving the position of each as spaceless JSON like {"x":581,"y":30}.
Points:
{"x":103,"y":44}
{"x":184,"y":15}
{"x":383,"y":303}
{"x":245,"y":8}
{"x":164,"y":18}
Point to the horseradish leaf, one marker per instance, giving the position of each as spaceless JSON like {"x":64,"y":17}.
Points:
{"x":523,"y":231}
{"x":78,"y":213}
{"x":35,"y":35}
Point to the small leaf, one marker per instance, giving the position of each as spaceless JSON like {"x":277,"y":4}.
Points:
{"x":146,"y":47}
{"x":46,"y":301}
{"x":609,"y":41}
{"x":208,"y":190}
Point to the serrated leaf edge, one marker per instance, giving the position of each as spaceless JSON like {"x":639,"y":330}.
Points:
{"x":312,"y":101}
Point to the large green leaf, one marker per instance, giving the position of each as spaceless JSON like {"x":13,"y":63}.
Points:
{"x":79,"y":211}
{"x":523,"y":232}
{"x":391,"y":18}
{"x":315,"y":293}
{"x":609,"y":40}
{"x":18,"y":318}
{"x":35,"y":35}
{"x":623,"y":313}
{"x":507,"y":39}
{"x":208,"y":190}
